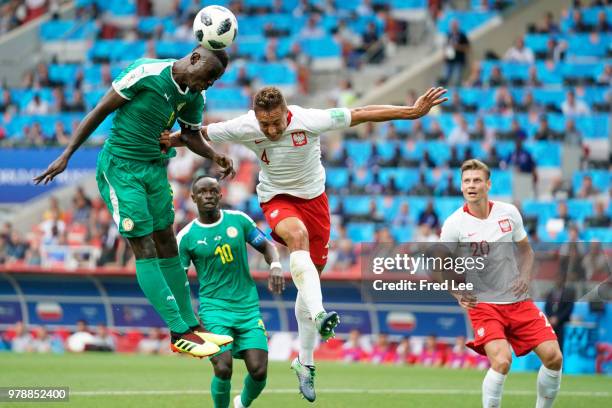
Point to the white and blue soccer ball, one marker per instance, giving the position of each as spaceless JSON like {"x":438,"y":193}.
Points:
{"x":215,"y":27}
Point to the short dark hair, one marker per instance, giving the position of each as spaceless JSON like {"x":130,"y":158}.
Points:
{"x":200,"y":177}
{"x":221,"y":55}
{"x":268,"y":98}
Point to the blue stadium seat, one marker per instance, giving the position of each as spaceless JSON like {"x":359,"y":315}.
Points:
{"x":438,"y":151}
{"x":599,"y":234}
{"x":579,"y":209}
{"x":445,"y":206}
{"x":337,"y":177}
{"x":501,"y":183}
{"x":546,"y":154}
{"x":594,"y":126}
{"x":321,"y":47}
{"x":56,"y":30}
{"x":537,"y":42}
{"x":64,"y":73}
{"x":362,"y":177}
{"x":361,"y":231}
{"x":173,"y":49}
{"x":356,"y":205}
{"x":402,"y":234}
{"x":272,"y":73}
{"x":117,"y":50}
{"x":549,"y":74}
{"x":584,"y":45}
{"x":226,"y":99}
{"x":544,"y":210}
{"x":253,"y":47}
{"x":359,"y":152}
{"x":469,"y":20}
{"x":148,"y":25}
{"x":385,"y":149}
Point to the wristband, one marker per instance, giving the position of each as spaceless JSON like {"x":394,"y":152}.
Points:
{"x":276,"y":265}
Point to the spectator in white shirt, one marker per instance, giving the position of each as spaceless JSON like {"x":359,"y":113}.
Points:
{"x":37,"y":106}
{"x":520,"y":53}
{"x":460,"y":133}
{"x":574,"y":107}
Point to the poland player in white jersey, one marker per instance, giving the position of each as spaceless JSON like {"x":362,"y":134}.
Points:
{"x":291,"y":191}
{"x":500,"y":310}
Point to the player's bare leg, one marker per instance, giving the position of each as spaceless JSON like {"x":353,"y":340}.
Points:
{"x":500,"y":358}
{"x":549,"y":376}
{"x":153,"y":284}
{"x":305,"y":274}
{"x":221,"y":383}
{"x":256,"y":361}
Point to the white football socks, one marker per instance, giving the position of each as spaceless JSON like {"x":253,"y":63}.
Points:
{"x":307,"y":331}
{"x":306,"y":279}
{"x":492,"y":388}
{"x":549,"y":382}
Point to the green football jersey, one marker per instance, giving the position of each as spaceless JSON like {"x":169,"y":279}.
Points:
{"x":219,"y":254}
{"x":155,"y":103}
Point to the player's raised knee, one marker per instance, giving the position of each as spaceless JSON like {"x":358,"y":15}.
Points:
{"x":297,"y":238}
{"x":554,"y":359}
{"x":501,"y":363}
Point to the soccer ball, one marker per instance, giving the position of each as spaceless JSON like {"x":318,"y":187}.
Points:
{"x":215,"y":27}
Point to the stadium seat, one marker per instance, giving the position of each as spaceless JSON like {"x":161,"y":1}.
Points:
{"x":357,"y":205}
{"x":360,"y":231}
{"x":337,"y":178}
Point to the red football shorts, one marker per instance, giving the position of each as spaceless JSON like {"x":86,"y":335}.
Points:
{"x":521,"y":323}
{"x":314,"y":213}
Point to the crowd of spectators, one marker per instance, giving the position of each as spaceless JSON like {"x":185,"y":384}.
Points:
{"x":427,"y":352}
{"x":14,"y":13}
{"x":39,"y":339}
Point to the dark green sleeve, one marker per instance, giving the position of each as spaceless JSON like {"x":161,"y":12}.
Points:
{"x":191,"y":115}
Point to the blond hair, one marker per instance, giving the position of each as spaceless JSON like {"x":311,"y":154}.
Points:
{"x":475,"y":164}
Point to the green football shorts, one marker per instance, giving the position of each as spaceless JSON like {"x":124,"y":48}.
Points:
{"x":137,"y":193}
{"x":247,"y":329}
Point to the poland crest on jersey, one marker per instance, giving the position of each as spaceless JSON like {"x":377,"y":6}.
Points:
{"x":505,"y":225}
{"x":299,"y":138}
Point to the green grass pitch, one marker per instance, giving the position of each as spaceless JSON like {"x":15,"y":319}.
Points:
{"x":113,"y":380}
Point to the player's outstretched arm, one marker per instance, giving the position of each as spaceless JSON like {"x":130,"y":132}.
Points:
{"x":384,"y":113}
{"x":108,"y":104}
{"x":194,"y":140}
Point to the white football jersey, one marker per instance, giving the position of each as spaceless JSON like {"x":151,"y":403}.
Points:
{"x":292,"y":164}
{"x":492,"y":239}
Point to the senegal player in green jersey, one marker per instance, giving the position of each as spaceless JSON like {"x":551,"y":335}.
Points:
{"x":215,"y":243}
{"x":148,"y":97}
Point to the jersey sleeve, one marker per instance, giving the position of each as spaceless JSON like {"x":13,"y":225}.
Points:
{"x":449,"y":235}
{"x":253,"y":235}
{"x":182,"y":240}
{"x":191,"y":115}
{"x":518,"y":228}
{"x":323,"y":120}
{"x":227,"y":131}
{"x":130,"y":81}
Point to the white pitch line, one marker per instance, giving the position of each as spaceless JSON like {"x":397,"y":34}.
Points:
{"x":406,"y":391}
